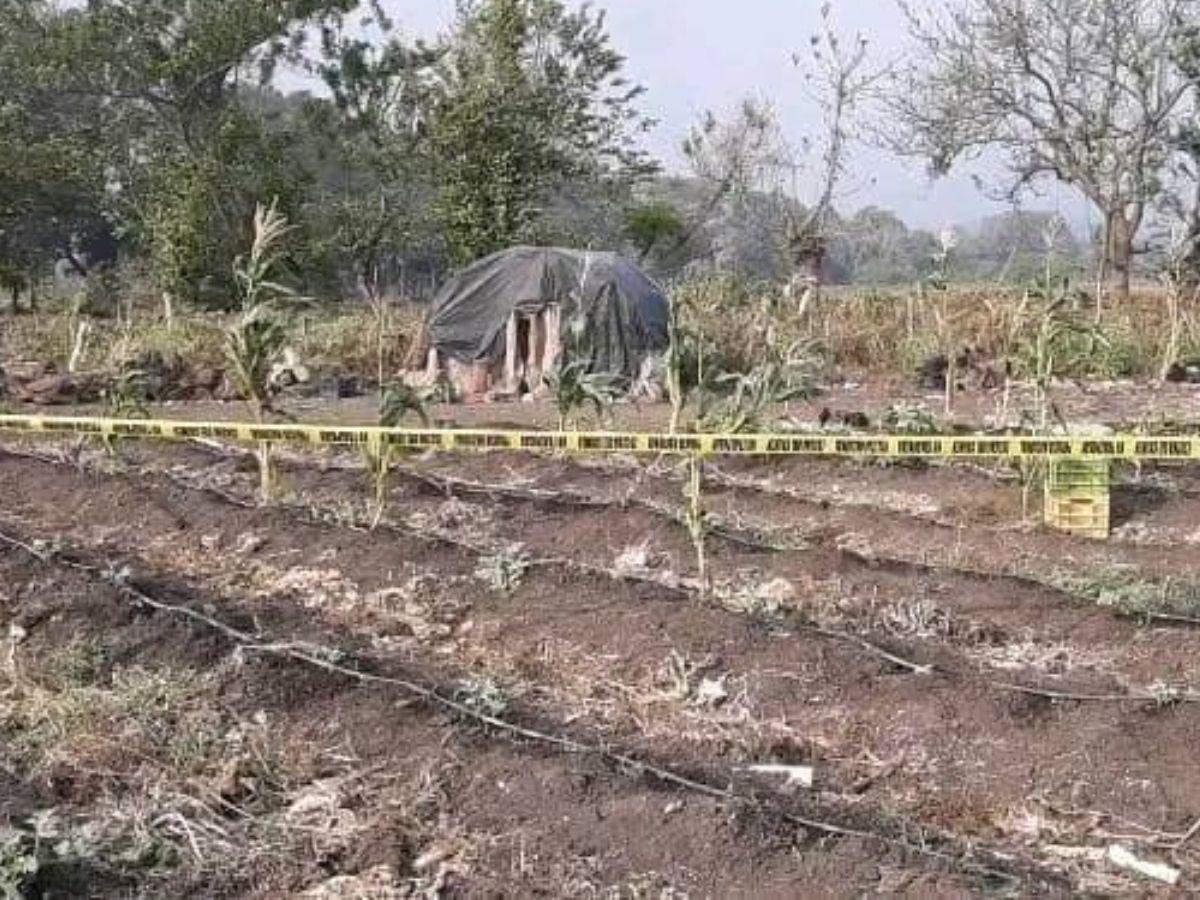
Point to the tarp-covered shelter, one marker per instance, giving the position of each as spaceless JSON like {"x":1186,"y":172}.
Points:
{"x":513,"y":310}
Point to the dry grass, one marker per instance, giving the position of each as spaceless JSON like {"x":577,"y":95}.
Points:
{"x":160,"y":783}
{"x":152,"y":750}
{"x":892,"y":332}
{"x":859,"y":331}
{"x":339,"y":339}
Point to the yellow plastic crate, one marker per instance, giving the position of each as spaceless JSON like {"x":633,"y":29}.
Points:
{"x":1077,"y":497}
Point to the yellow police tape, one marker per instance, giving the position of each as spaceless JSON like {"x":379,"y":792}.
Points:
{"x":883,"y":446}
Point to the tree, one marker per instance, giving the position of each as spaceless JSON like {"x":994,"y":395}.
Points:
{"x":51,"y":181}
{"x":840,"y":79}
{"x":875,"y":247}
{"x":734,"y":156}
{"x":178,"y":63}
{"x":748,"y":156}
{"x":1182,"y":202}
{"x":1017,"y":245}
{"x":381,"y":209}
{"x":1084,"y":91}
{"x":526,"y":97}
{"x":651,"y":224}
{"x":192,"y":208}
{"x":750,"y":237}
{"x":377,"y":214}
{"x":185,"y":162}
{"x":506,"y":116}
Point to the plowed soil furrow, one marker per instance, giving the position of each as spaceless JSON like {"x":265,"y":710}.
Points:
{"x":511,"y":798}
{"x":1024,"y":569}
{"x":952,"y":752}
{"x":990,"y":612}
{"x":991,"y":609}
{"x":942,"y":514}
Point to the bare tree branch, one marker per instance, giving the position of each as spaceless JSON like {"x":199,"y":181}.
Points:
{"x":1085,"y":91}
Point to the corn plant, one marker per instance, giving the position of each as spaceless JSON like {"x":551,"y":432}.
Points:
{"x":696,"y":517}
{"x":676,"y":385}
{"x":256,"y":274}
{"x":947,"y":324}
{"x":79,"y":328}
{"x":573,"y":387}
{"x":684,"y":365}
{"x":125,"y":398}
{"x":252,"y":345}
{"x":257,"y":338}
{"x":787,"y":374}
{"x":1053,"y":340}
{"x":399,"y":400}
{"x":750,"y":397}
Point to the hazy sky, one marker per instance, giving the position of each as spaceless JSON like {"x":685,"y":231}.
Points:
{"x":694,"y":55}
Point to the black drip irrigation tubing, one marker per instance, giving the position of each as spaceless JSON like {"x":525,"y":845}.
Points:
{"x":123,"y":581}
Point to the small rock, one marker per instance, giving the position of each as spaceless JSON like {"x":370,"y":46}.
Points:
{"x":711,"y":692}
{"x":248,"y":542}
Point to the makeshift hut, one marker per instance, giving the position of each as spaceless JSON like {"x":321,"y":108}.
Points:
{"x":502,"y":322}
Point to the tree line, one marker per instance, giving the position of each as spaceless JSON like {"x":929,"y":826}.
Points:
{"x":153,"y":127}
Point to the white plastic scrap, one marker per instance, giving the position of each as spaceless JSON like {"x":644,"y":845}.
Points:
{"x":711,"y":692}
{"x":1119,"y":856}
{"x":795,"y":775}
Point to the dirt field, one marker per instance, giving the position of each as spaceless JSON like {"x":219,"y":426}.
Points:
{"x":514,"y":685}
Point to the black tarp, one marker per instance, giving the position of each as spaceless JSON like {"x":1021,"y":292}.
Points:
{"x":618,"y":314}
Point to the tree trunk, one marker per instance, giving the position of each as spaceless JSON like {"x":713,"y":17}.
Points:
{"x":1119,"y":250}
{"x":808,"y":279}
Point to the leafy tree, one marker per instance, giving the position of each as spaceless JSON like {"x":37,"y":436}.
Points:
{"x":536,"y":99}
{"x":178,"y":63}
{"x":524,"y":97}
{"x":573,"y":387}
{"x":590,"y":214}
{"x":380,"y":207}
{"x":51,"y":183}
{"x":651,"y":225}
{"x":1015,"y":245}
{"x":193,"y":209}
{"x":185,"y":162}
{"x":735,"y":231}
{"x":875,"y":247}
{"x":1083,"y":91}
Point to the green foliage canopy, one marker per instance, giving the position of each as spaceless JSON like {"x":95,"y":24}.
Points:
{"x":521,"y":99}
